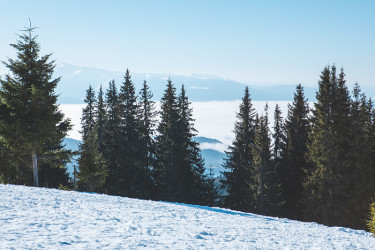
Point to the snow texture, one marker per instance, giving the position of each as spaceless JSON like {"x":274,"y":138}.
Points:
{"x":35,"y":218}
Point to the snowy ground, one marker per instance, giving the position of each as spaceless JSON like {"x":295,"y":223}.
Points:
{"x":53,"y":219}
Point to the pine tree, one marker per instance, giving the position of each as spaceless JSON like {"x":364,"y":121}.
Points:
{"x":30,"y":118}
{"x":294,"y":165}
{"x":329,"y":151}
{"x":166,"y":158}
{"x":279,"y":137}
{"x":100,"y":117}
{"x":239,"y":179}
{"x":88,"y":113}
{"x":264,"y":171}
{"x":53,"y":172}
{"x":111,"y":140}
{"x":132,"y":174}
{"x":92,"y":166}
{"x":361,"y":185}
{"x":192,"y":180}
{"x":147,"y":120}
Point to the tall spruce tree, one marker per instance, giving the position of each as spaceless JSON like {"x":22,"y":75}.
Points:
{"x":276,"y":199}
{"x":329,"y":151}
{"x":294,"y":164}
{"x":192,"y":179}
{"x":92,"y":166}
{"x":147,"y":122}
{"x":100,"y":120}
{"x":179,"y":169}
{"x":361,"y":186}
{"x":278,"y":137}
{"x":132,"y":174}
{"x":111,"y":140}
{"x":264,"y":171}
{"x":239,"y":180}
{"x":167,"y":161}
{"x":30,"y":119}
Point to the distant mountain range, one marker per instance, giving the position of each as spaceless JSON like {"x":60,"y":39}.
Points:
{"x":213,"y":158}
{"x":75,"y":81}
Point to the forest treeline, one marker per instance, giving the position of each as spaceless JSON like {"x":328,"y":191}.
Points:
{"x":317,"y":164}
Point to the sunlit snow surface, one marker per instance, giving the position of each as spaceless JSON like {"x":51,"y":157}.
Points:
{"x":46,"y":218}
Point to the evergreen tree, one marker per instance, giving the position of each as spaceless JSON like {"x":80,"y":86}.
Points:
{"x":88,"y":113}
{"x":278,"y":137}
{"x":53,"y":172}
{"x":30,"y":117}
{"x":264,"y":172}
{"x":166,"y":158}
{"x":111,"y":140}
{"x":239,"y":180}
{"x":329,"y":151}
{"x":276,"y":199}
{"x":147,"y":119}
{"x":361,"y":185}
{"x":179,"y":169}
{"x":132,"y":174}
{"x":100,"y":118}
{"x":294,"y":164}
{"x":92,"y":166}
{"x":192,"y":180}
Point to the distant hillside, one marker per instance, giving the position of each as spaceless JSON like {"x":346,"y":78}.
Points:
{"x":201,"y":139}
{"x":71,"y":144}
{"x":75,"y":80}
{"x":213,"y":159}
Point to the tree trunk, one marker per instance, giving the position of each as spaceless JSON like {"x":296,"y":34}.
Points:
{"x":35,"y":169}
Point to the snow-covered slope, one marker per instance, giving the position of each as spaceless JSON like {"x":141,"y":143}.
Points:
{"x":34,"y":218}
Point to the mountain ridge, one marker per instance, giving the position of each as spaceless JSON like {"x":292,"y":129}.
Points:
{"x":200,"y":87}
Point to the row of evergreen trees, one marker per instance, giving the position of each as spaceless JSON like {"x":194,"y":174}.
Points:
{"x":122,"y":154}
{"x":320,"y":166}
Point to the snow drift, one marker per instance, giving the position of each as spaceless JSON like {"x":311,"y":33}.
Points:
{"x":48,"y":218}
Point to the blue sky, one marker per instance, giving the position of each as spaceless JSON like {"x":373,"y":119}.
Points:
{"x":257,"y":42}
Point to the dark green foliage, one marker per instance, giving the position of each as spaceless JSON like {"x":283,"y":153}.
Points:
{"x":275,"y":193}
{"x":101,"y":120}
{"x":264,"y":172}
{"x":132,"y":175}
{"x":329,"y":151}
{"x":111,"y":140}
{"x":278,"y":137}
{"x":179,"y":169}
{"x":193,"y":186}
{"x":361,"y":181}
{"x":147,"y":123}
{"x":52,"y":165}
{"x":88,"y":113}
{"x":294,"y":165}
{"x":92,"y":166}
{"x":166,"y":149}
{"x":239,"y":177}
{"x":30,"y":118}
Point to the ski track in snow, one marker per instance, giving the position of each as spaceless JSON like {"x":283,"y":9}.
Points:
{"x":53,"y":219}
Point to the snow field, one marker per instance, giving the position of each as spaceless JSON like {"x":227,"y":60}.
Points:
{"x":55,"y":219}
